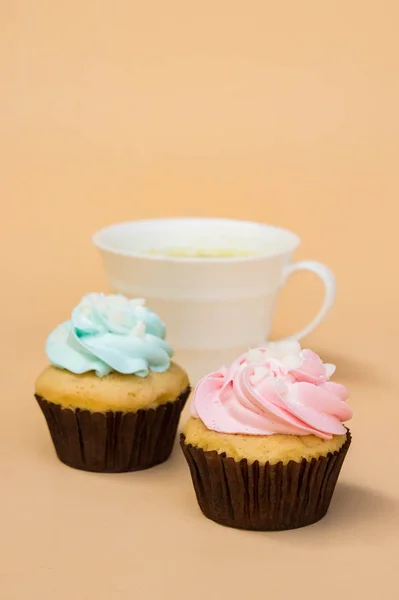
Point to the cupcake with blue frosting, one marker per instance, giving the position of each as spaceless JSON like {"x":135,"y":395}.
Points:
{"x":111,"y":395}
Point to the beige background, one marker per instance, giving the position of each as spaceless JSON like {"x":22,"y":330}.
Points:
{"x":284,"y":112}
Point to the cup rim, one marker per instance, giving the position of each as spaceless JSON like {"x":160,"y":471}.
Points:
{"x":107,"y":247}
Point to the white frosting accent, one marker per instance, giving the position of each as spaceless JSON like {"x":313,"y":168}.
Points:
{"x":255,"y":356}
{"x":118,"y":317}
{"x":139,"y":330}
{"x":330,"y":369}
{"x":137,"y":302}
{"x":292,"y":361}
{"x":259,"y":374}
{"x":86,"y":310}
{"x":282,"y":349}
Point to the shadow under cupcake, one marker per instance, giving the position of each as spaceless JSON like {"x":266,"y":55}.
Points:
{"x":112,"y":398}
{"x":265,"y":443}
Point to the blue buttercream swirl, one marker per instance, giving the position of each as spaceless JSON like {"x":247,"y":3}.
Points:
{"x":110,"y":333}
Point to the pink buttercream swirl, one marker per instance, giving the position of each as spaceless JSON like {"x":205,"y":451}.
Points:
{"x":276,"y":389}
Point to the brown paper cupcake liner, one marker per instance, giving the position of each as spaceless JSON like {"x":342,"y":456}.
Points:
{"x":263,"y":497}
{"x":113,"y":442}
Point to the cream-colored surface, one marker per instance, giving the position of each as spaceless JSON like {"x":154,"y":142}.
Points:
{"x":126,"y":393}
{"x":286,"y":112}
{"x":261,"y":448}
{"x":201,"y":252}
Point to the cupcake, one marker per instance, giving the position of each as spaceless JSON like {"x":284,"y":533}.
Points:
{"x":265,"y":442}
{"x":111,"y":396}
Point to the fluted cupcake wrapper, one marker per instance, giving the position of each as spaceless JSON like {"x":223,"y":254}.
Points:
{"x":263,"y":497}
{"x":113,"y":442}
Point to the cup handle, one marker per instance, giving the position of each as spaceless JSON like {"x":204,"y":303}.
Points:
{"x":328,"y":278}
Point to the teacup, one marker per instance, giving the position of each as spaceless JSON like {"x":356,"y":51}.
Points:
{"x":214,"y":307}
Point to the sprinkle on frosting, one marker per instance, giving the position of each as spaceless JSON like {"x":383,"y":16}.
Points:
{"x":110,"y":333}
{"x":276,"y":389}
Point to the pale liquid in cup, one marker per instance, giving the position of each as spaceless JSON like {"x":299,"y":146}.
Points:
{"x":201,"y":252}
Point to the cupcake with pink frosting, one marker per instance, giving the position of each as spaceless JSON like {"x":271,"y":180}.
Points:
{"x":266,"y":441}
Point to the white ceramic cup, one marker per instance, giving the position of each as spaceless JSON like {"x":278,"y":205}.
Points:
{"x":214,"y":308}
